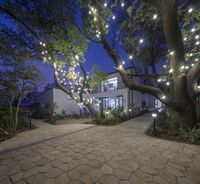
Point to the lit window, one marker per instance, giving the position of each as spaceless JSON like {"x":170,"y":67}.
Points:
{"x":109,"y":85}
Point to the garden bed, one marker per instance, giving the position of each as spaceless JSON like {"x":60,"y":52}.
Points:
{"x":190,"y":137}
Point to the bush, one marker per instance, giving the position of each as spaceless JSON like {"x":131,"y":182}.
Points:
{"x":115,"y":120}
{"x":192,"y":136}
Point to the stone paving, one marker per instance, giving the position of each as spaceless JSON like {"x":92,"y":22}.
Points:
{"x":120,"y":154}
{"x":44,"y":131}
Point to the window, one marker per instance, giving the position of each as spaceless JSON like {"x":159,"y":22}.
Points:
{"x":112,"y":103}
{"x":109,"y":85}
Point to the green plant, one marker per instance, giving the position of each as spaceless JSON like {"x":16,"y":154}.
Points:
{"x":192,"y":136}
{"x":114,"y":120}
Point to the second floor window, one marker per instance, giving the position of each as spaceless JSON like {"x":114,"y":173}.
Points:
{"x":109,"y":85}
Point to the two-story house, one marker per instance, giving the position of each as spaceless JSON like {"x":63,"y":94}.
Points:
{"x":113,"y":93}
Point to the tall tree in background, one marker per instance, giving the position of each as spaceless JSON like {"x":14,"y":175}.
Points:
{"x":18,"y":75}
{"x":61,"y":45}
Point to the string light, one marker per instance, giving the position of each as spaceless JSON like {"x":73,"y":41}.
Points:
{"x":185,"y":38}
{"x":130,"y":57}
{"x":193,"y":30}
{"x":113,"y":17}
{"x":197,"y":43}
{"x":171,"y":70}
{"x":122,"y":4}
{"x":182,"y":67}
{"x":163,"y":97}
{"x":141,"y":40}
{"x":120,"y":67}
{"x":76,"y":56}
{"x":197,"y":37}
{"x":105,"y":4}
{"x":155,"y":16}
{"x":107,"y":26}
{"x":196,"y":59}
{"x":167,"y":83}
{"x":190,"y":10}
{"x":171,"y":53}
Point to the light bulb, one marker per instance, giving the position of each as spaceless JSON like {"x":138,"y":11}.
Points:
{"x":154,"y":115}
{"x":76,"y":57}
{"x":197,"y":43}
{"x":190,"y":10}
{"x":113,"y":17}
{"x":105,"y":4}
{"x":120,"y":66}
{"x":155,"y":16}
{"x":193,"y":30}
{"x":130,"y":57}
{"x":159,"y":80}
{"x":141,"y":40}
{"x":163,"y":97}
{"x":197,"y":37}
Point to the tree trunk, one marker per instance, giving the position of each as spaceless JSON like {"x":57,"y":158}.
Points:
{"x":17,"y":115}
{"x":11,"y":124}
{"x":97,"y":114}
{"x":183,"y":104}
{"x":184,"y":114}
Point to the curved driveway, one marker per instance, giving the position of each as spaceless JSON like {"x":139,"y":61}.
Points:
{"x":120,"y":154}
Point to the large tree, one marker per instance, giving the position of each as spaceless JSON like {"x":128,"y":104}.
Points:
{"x":178,"y":89}
{"x":60,"y":44}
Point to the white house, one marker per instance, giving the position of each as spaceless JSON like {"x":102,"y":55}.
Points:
{"x":58,"y":101}
{"x":112,"y":94}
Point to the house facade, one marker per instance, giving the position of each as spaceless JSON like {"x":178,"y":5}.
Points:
{"x":112,"y":94}
{"x":55,"y":101}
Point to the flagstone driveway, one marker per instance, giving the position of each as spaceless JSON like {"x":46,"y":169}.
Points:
{"x":120,"y":154}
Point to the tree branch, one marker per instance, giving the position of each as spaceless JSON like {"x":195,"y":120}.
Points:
{"x":158,"y":93}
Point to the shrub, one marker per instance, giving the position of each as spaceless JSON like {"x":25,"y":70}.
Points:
{"x":192,"y":136}
{"x":115,"y":120}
